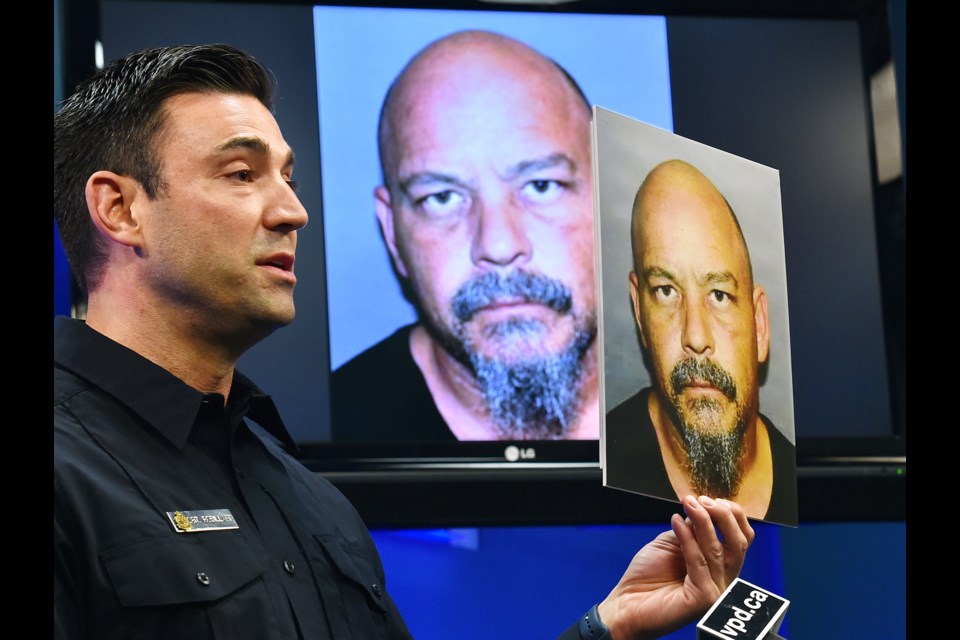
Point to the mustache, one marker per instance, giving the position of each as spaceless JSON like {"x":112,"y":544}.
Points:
{"x":691,"y":370}
{"x":484,"y":290}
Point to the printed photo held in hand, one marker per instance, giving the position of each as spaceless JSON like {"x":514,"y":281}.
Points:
{"x":696,"y":380}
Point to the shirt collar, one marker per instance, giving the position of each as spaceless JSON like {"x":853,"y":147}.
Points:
{"x":165,"y":402}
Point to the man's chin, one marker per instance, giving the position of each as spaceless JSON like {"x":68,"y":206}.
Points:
{"x":283,"y":314}
{"x":709,"y":423}
{"x":275,"y":316}
{"x":516,"y":350}
{"x":518,"y":339}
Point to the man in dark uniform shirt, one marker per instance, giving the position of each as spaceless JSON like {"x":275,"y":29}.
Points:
{"x":179,"y":510}
{"x":704,"y":329}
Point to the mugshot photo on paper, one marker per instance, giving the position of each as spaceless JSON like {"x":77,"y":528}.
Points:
{"x":359,"y":53}
{"x":753,"y":193}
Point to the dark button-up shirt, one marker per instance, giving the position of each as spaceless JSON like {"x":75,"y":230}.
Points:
{"x":178,"y":516}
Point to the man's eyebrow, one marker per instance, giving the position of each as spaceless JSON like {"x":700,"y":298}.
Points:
{"x":430,"y":177}
{"x":717,"y":277}
{"x":658,"y":272}
{"x":538,"y":164}
{"x":255,"y":144}
{"x":711,"y":277}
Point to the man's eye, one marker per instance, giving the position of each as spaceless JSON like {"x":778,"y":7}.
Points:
{"x":441,"y":203}
{"x":244,"y":175}
{"x":542,"y":191}
{"x":664,"y":292}
{"x":721,"y":298}
{"x":294,"y":185}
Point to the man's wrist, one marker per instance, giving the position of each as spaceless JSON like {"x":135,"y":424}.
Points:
{"x":591,"y":627}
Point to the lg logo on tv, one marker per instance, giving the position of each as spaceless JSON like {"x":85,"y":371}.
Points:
{"x":512,"y":453}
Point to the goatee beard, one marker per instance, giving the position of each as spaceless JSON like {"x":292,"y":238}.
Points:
{"x":714,"y":450}
{"x":537,"y":398}
{"x":528,"y":397}
{"x":714,"y":461}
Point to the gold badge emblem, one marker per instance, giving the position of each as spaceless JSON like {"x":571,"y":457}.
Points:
{"x":181,"y":522}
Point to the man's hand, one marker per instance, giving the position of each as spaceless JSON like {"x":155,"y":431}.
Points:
{"x":675,"y":578}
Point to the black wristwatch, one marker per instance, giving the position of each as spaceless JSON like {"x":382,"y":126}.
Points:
{"x":591,"y":626}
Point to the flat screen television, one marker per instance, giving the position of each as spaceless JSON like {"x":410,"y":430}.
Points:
{"x":812,"y":92}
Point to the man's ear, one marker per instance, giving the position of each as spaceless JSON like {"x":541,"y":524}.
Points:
{"x":635,"y":299}
{"x":381,"y":196}
{"x":762,"y":321}
{"x":110,"y":202}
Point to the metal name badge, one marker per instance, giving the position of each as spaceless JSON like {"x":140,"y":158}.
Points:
{"x":204,"y":520}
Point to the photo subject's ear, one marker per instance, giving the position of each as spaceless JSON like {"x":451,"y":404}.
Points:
{"x":762,"y":322}
{"x":110,"y":202}
{"x":635,"y":299}
{"x":384,"y":209}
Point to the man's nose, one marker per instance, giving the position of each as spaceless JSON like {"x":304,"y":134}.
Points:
{"x":283,"y":208}
{"x":697,"y":334}
{"x":499,"y":235}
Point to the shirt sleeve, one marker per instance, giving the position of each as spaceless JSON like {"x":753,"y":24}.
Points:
{"x":67,"y":619}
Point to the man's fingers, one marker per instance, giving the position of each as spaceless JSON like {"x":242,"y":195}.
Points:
{"x":737,"y":535}
{"x":697,"y":570}
{"x":707,"y":551}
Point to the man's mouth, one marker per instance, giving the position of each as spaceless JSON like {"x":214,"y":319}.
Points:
{"x":702,"y":377}
{"x":514,"y":309}
{"x":495,"y":293}
{"x":280,"y":265}
{"x":282,"y":261}
{"x":700,"y":384}
{"x":509,"y":303}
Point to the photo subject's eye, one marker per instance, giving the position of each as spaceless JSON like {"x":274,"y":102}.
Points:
{"x":441,"y":203}
{"x":664,"y":293}
{"x":720,"y":298}
{"x":542,"y":191}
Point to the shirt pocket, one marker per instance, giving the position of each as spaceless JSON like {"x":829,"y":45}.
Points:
{"x":366,"y":606}
{"x":197,"y":585}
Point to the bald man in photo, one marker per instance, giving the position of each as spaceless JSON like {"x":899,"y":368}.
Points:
{"x":486,"y":211}
{"x":704,"y":330}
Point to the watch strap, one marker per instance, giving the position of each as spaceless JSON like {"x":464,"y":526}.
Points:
{"x":591,"y":626}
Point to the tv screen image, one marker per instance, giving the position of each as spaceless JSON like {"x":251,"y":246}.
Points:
{"x":789,"y":92}
{"x":426,"y":389}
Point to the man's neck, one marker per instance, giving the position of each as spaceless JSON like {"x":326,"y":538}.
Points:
{"x":460,"y":401}
{"x":167,"y":342}
{"x":756,"y":485}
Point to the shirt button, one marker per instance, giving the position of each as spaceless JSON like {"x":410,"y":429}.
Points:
{"x":203,"y":578}
{"x":289,"y":567}
{"x":376,"y":589}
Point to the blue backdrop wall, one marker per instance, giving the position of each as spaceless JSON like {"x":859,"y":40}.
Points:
{"x":844,"y":580}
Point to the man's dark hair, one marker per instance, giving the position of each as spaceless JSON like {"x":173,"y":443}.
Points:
{"x":113,"y":123}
